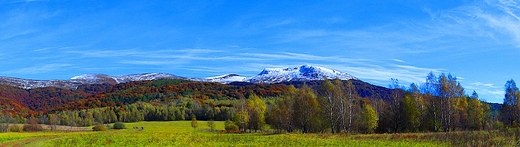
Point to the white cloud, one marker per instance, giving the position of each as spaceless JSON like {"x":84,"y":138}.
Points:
{"x":489,"y":85}
{"x":486,"y":91}
{"x":48,"y":68}
{"x":398,"y":60}
{"x":144,"y":62}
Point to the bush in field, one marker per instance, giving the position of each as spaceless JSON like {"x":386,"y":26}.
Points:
{"x":194,"y":123}
{"x":4,"y":128}
{"x":99,"y":128}
{"x":230,"y":126}
{"x":15,"y":128}
{"x":32,"y":125}
{"x":211,"y":125}
{"x":119,"y":125}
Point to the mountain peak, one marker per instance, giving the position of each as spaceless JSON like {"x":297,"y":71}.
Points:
{"x":268,"y":75}
{"x":226,"y":79}
{"x":298,"y":73}
{"x":89,"y":77}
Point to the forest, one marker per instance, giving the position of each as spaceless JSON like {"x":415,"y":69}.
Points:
{"x":438,"y":105}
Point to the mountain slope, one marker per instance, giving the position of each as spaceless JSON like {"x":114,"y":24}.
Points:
{"x":85,"y":79}
{"x":299,"y":73}
{"x":268,"y":76}
{"x":226,"y":79}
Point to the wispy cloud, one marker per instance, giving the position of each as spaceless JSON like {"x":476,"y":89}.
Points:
{"x":147,"y":62}
{"x":488,"y":85}
{"x":280,"y":23}
{"x":381,"y":74}
{"x":26,"y":1}
{"x":105,"y":53}
{"x":398,"y":60}
{"x":488,"y":89}
{"x":48,"y":68}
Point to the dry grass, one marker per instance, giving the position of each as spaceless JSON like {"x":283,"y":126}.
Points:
{"x":67,"y":128}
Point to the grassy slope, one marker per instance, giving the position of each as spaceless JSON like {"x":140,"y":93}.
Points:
{"x":180,"y":133}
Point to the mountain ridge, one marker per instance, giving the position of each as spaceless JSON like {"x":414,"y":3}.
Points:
{"x":267,"y":76}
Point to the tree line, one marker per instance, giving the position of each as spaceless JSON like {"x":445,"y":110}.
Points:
{"x":439,"y":104}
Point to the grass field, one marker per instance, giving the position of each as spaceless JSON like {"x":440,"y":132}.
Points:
{"x":180,"y":133}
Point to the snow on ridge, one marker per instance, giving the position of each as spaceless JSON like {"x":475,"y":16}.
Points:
{"x":89,"y":77}
{"x":143,"y":77}
{"x":226,"y":79}
{"x":268,"y":75}
{"x":302,"y":72}
{"x":277,"y":75}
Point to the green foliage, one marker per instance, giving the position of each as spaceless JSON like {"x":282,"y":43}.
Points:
{"x":369,"y":119}
{"x":241,"y":117}
{"x":119,"y":125}
{"x":230,"y":126}
{"x":412,"y":113}
{"x":256,"y":108}
{"x":307,"y":116}
{"x":194,"y":123}
{"x":99,"y":128}
{"x":211,"y":125}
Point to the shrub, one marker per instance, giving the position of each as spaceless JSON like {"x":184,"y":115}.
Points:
{"x":194,"y":123}
{"x":3,"y":128}
{"x":99,"y":128}
{"x":119,"y":125}
{"x":15,"y":128}
{"x":32,"y":125}
{"x":211,"y":125}
{"x":230,"y":126}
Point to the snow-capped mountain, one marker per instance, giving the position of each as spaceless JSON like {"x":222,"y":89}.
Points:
{"x":93,"y":78}
{"x":277,"y":75}
{"x":76,"y":81}
{"x":30,"y":84}
{"x":299,"y":73}
{"x":226,"y":79}
{"x":268,"y":75}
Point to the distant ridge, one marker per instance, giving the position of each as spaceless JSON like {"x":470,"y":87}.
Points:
{"x":268,"y":75}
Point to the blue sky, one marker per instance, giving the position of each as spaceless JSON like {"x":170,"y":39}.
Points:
{"x":477,"y":41}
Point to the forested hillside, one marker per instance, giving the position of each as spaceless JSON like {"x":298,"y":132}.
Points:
{"x":305,"y":106}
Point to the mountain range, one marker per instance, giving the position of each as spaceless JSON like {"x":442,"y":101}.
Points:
{"x":268,"y":76}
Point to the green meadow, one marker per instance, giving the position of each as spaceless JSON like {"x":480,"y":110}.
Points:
{"x":180,"y":133}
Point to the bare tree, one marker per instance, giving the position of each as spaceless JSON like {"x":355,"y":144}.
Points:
{"x":395,"y":104}
{"x":329,"y":104}
{"x":510,"y":111}
{"x":351,"y":92}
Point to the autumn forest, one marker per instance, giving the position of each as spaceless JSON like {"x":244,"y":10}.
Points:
{"x":336,"y":106}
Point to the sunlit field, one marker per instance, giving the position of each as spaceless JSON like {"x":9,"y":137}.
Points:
{"x":180,"y":133}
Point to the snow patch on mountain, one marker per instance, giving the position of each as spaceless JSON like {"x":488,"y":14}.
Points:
{"x":76,"y":81}
{"x":278,"y":75}
{"x":298,"y":73}
{"x":268,"y":75}
{"x":226,"y":79}
{"x":145,"y":77}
